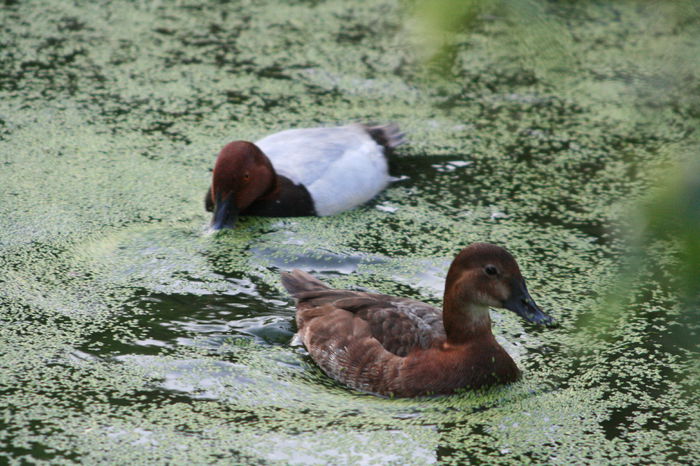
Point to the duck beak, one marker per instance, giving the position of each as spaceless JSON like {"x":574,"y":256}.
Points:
{"x":225,"y":214}
{"x":522,"y":304}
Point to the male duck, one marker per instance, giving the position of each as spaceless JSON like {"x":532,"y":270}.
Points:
{"x":400,"y":347}
{"x":300,"y":172}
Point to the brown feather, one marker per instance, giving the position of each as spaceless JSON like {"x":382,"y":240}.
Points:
{"x":401,"y":347}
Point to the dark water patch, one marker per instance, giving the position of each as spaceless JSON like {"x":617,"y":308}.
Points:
{"x":163,"y":127}
{"x":321,"y":261}
{"x":474,"y":86}
{"x":166,"y":321}
{"x":455,"y":186}
{"x":39,"y":451}
{"x":236,"y":97}
{"x":448,"y":454}
{"x":71,"y":24}
{"x":599,"y":229}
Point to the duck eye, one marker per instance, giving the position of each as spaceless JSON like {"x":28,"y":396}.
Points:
{"x":491,"y":270}
{"x":246,"y":177}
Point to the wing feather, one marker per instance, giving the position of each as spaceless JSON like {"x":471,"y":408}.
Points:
{"x":399,"y":325}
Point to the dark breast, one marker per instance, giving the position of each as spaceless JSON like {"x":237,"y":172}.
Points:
{"x":289,"y":200}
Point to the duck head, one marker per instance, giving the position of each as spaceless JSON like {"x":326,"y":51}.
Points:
{"x":485,"y":275}
{"x":242,"y":174}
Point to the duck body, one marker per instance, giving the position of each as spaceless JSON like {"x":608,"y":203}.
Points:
{"x":380,"y":344}
{"x":301,"y":172}
{"x":402,"y":347}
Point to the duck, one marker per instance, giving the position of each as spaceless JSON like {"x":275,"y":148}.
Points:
{"x":399,"y":347}
{"x":301,"y":172}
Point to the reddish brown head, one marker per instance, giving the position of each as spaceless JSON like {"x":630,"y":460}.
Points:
{"x":242,"y":174}
{"x":481,"y":276}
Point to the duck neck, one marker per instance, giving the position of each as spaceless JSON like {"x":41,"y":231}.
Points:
{"x":274,"y":183}
{"x":463,"y":318}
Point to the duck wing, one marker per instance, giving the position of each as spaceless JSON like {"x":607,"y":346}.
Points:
{"x":399,"y":325}
{"x":305,"y":155}
{"x":341,"y":167}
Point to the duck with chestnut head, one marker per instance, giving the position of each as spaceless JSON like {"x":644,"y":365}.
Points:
{"x":300,"y":172}
{"x":400,"y":347}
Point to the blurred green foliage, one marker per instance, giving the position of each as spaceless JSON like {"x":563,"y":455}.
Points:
{"x":672,"y":213}
{"x":437,"y":23}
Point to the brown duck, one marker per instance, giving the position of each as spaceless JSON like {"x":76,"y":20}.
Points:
{"x":401,"y":347}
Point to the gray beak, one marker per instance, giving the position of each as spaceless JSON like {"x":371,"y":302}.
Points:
{"x":225,"y":214}
{"x":522,"y":304}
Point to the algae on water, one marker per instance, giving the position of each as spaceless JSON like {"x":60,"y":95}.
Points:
{"x":129,"y":336}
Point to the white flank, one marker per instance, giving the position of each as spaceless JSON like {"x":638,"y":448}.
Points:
{"x":342,"y":167}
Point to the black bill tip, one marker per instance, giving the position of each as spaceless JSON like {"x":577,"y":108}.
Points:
{"x":522,"y":304}
{"x":225,"y":214}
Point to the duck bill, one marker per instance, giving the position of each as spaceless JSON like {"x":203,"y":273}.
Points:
{"x":225,"y":214}
{"x":522,"y":304}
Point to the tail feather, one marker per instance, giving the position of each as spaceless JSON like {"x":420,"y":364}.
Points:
{"x":388,"y":136}
{"x":298,"y":281}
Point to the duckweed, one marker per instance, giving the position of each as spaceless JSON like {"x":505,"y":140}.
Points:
{"x":130,"y":336}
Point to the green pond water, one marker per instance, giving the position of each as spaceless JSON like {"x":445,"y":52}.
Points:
{"x":129,"y":336}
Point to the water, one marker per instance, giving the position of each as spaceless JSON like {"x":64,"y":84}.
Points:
{"x":129,"y":335}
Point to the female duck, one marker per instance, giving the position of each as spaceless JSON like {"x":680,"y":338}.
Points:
{"x":300,"y":172}
{"x":401,"y":347}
